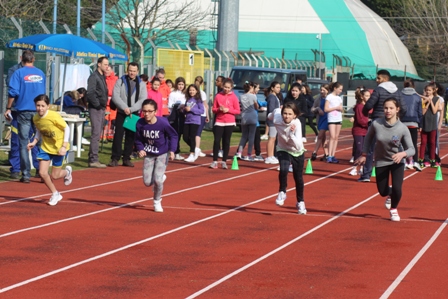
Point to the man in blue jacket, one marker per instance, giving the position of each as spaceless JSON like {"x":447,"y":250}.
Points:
{"x":24,"y":85}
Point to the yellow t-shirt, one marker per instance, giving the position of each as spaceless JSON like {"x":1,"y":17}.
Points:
{"x":51,"y":127}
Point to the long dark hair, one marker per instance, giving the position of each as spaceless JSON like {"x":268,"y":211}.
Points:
{"x":289,"y":95}
{"x":268,"y":90}
{"x":197,"y":96}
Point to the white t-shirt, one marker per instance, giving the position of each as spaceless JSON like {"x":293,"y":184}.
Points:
{"x":204,"y":100}
{"x":335,"y":115}
{"x":176,"y":97}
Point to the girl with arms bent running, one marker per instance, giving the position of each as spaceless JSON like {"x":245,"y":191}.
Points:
{"x":393,"y":145}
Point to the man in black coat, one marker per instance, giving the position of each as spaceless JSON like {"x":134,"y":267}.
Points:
{"x":97,"y":100}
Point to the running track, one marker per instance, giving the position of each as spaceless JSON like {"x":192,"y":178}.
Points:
{"x":222,"y":236}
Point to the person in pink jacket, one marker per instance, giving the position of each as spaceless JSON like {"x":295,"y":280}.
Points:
{"x":225,"y":107}
{"x":154,"y":94}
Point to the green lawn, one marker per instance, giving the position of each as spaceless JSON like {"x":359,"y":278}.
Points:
{"x":80,"y":163}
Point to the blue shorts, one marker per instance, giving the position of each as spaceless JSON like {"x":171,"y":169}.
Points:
{"x":56,"y":159}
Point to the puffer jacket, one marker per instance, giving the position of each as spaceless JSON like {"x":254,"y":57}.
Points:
{"x":382,"y":92}
{"x":413,"y":104}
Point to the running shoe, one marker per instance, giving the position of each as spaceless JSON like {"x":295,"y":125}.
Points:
{"x":281,"y":197}
{"x":264,"y":137}
{"x":214,"y":165}
{"x":313,"y":156}
{"x":352,"y":159}
{"x":417,"y":166}
{"x":191,"y":158}
{"x":259,"y":158}
{"x":290,"y":169}
{"x":178,"y":157}
{"x":248,"y":158}
{"x":158,"y":206}
{"x":387,"y":203}
{"x":224,"y":165}
{"x":68,"y":178}
{"x":301,"y":210}
{"x":394,"y":215}
{"x":363,"y":180}
{"x":354,"y":171}
{"x":220,"y":153}
{"x":55,"y":198}
{"x":238,"y":155}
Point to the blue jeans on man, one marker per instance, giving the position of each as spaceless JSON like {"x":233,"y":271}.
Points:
{"x":14,"y":153}
{"x":25,"y":132}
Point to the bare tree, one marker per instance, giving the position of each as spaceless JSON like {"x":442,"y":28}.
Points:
{"x":158,"y":20}
{"x":427,"y":34}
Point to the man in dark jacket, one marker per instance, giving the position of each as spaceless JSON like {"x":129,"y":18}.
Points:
{"x":383,"y":91}
{"x":128,"y":96}
{"x":97,"y":100}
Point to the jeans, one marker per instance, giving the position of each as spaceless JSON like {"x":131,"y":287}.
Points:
{"x":368,"y":166}
{"x":25,"y":126}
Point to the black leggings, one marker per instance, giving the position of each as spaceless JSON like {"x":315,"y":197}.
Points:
{"x":396,"y":171}
{"x":285,"y":160}
{"x":224,"y":133}
{"x":190,"y":132}
{"x":311,"y":124}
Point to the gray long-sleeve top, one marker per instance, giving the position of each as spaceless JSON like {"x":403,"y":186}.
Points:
{"x":390,"y":139}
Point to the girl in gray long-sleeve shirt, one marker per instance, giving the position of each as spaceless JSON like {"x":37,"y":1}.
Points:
{"x":393,"y":144}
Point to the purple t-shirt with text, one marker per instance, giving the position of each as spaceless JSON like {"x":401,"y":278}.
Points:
{"x":155,"y":139}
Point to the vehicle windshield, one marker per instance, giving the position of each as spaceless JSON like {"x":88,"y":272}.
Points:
{"x":263,"y":78}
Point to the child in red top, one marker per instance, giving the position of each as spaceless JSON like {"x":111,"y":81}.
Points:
{"x":360,"y":125}
{"x":225,"y":107}
{"x":154,"y":94}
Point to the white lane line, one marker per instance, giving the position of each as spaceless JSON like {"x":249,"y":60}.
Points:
{"x":262,"y":258}
{"x":8,"y":288}
{"x":414,"y":261}
{"x":126,"y":204}
{"x":95,"y":185}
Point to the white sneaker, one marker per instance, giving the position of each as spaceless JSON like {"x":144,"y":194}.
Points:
{"x":264,"y":137}
{"x":163,"y":179}
{"x":315,"y":139}
{"x":75,"y":148}
{"x":394,"y":215}
{"x":68,"y":178}
{"x":410,"y":166}
{"x":354,"y":171}
{"x":290,"y":168}
{"x":301,"y":210}
{"x":417,"y":166}
{"x":220,"y":153}
{"x":271,"y":160}
{"x":224,"y":165}
{"x":197,"y":151}
{"x":55,"y":198}
{"x":158,"y":206}
{"x":201,"y":154}
{"x":280,"y":198}
{"x":303,"y":139}
{"x":178,"y":157}
{"x":387,"y":203}
{"x":190,"y":158}
{"x":352,"y":160}
{"x":238,"y":154}
{"x":85,"y":141}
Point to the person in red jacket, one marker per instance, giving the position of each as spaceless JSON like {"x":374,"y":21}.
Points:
{"x":111,"y":114}
{"x":154,"y":94}
{"x":225,"y":107}
{"x":360,"y":125}
{"x":164,"y":89}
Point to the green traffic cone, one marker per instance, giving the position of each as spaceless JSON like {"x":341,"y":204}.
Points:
{"x":373,"y":172}
{"x":235,"y":163}
{"x":309,"y":167}
{"x":438,"y":174}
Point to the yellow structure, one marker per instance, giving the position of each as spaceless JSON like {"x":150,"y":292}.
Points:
{"x":181,"y":63}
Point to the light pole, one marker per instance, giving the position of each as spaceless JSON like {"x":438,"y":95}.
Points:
{"x":319,"y":36}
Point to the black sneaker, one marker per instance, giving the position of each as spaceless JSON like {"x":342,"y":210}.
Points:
{"x":113,"y":163}
{"x":128,"y":163}
{"x":25,"y":180}
{"x":313,"y":156}
{"x":14,"y":175}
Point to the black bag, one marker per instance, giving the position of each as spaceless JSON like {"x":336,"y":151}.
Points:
{"x":112,"y":105}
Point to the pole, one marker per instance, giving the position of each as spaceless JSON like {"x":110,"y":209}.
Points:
{"x":78,"y":18}
{"x":103,"y":25}
{"x":320,"y":54}
{"x":52,"y":78}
